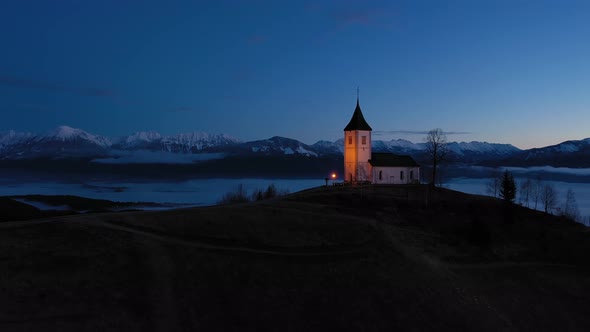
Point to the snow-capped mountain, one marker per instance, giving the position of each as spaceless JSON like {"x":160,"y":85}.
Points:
{"x":398,"y":146}
{"x":140,"y":138}
{"x":478,"y":151}
{"x":482,"y":148}
{"x":12,"y":137}
{"x":200,"y":140}
{"x":328,"y":147}
{"x":61,"y":142}
{"x":561,"y":148}
{"x":69,"y":134}
{"x":575,"y":153}
{"x":71,"y":143}
{"x":182,"y":143}
{"x":67,"y":142}
{"x":464,"y":151}
{"x":278,"y":146}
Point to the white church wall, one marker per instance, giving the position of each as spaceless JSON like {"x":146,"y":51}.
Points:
{"x":395,"y":175}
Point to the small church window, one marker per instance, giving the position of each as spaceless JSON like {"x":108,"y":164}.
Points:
{"x":401,"y":175}
{"x":411,"y":175}
{"x":349,"y":139}
{"x":380,"y":175}
{"x":364,"y":138}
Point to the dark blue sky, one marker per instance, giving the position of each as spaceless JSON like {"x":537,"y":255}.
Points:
{"x":501,"y":71}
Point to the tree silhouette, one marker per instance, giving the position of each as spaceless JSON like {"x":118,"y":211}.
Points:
{"x":570,"y":207}
{"x":436,"y":149}
{"x":493,"y":184}
{"x":548,"y":197}
{"x":508,"y":187}
{"x":536,"y":191}
{"x":525,"y":191}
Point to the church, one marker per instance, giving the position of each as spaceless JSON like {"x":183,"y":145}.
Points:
{"x":363,"y":165}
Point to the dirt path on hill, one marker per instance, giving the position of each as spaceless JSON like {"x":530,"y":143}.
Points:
{"x":98,"y":221}
{"x":501,"y":265}
{"x":72,"y":217}
{"x":25,"y":223}
{"x":160,"y":269}
{"x":215,"y":247}
{"x":157,"y":276}
{"x":165,"y":313}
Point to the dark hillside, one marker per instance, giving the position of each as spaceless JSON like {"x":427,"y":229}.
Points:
{"x":13,"y":210}
{"x":338,"y":258}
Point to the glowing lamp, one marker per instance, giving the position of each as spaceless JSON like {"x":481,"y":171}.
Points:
{"x":333,"y":175}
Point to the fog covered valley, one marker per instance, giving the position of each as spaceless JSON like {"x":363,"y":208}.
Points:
{"x":172,"y":192}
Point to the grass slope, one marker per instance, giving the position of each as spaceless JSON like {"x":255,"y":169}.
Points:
{"x":369,"y":259}
{"x":13,"y":210}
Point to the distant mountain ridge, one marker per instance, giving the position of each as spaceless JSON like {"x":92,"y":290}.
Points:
{"x":66,"y":143}
{"x":466,"y":152}
{"x":574,"y":153}
{"x":194,"y":142}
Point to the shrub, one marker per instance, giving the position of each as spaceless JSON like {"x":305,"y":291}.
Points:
{"x":237,"y":196}
{"x":257,"y":195}
{"x":240,"y":195}
{"x":271,"y":191}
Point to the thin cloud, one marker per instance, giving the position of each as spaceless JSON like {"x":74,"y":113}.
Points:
{"x":23,"y":83}
{"x":312,"y":7}
{"x":232,"y":98}
{"x":242,"y":74}
{"x":31,"y":107}
{"x":97,"y":92}
{"x":415,"y":132}
{"x":343,"y":15}
{"x":362,"y":14}
{"x":350,"y":17}
{"x":183,"y":109}
{"x":256,"y":39}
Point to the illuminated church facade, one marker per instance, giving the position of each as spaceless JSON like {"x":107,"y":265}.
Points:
{"x":363,"y":165}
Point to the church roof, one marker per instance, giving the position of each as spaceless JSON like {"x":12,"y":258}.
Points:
{"x":358,"y":121}
{"x":391,"y":160}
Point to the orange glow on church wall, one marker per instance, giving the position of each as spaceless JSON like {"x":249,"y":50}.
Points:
{"x":357,"y":155}
{"x":357,"y":147}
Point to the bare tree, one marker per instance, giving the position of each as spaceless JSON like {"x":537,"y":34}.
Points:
{"x":493,"y":184}
{"x":548,"y":197}
{"x":570,"y":207}
{"x":436,"y":149}
{"x":237,"y":196}
{"x":526,"y":187}
{"x":536,"y":191}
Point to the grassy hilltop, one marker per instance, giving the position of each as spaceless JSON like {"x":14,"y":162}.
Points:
{"x":338,"y":258}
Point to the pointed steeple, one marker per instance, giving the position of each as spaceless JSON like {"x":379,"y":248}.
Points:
{"x":358,"y":121}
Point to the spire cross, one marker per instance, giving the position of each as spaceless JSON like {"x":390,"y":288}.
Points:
{"x":357,"y":93}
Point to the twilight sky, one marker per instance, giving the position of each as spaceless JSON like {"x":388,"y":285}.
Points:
{"x":511,"y":71}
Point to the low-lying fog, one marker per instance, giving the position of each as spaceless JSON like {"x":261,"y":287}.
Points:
{"x":202,"y":192}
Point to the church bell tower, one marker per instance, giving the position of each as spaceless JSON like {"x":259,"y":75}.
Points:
{"x":357,"y":147}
